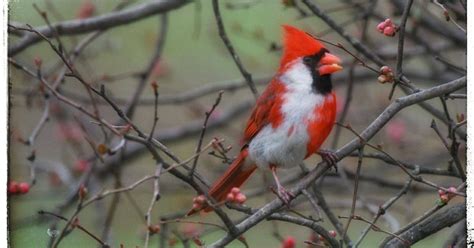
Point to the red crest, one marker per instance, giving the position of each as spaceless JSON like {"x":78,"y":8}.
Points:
{"x":297,"y":43}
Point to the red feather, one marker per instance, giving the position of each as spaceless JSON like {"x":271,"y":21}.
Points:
{"x":267,"y":110}
{"x":296,"y":44}
{"x":235,"y":176}
{"x":320,"y":127}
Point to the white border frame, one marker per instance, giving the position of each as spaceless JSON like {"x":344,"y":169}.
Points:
{"x":470,"y":126}
{"x":3,"y":128}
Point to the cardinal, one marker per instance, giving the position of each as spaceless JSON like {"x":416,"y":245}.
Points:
{"x":291,"y":119}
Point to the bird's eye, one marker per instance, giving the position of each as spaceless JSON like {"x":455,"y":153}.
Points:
{"x":307,"y":60}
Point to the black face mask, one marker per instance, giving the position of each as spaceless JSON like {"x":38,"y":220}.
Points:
{"x":321,"y":84}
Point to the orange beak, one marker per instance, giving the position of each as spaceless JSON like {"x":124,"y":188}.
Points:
{"x":329,"y":63}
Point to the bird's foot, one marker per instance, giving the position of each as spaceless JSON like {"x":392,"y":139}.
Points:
{"x":329,"y":157}
{"x":284,"y":195}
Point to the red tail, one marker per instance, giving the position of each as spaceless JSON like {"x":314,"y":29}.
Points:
{"x":235,"y":176}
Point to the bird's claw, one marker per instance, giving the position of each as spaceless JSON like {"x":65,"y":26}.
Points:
{"x":329,"y":157}
{"x":284,"y":195}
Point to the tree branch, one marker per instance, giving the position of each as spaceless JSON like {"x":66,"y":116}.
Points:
{"x":105,"y":21}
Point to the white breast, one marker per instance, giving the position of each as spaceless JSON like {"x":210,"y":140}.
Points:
{"x":285,"y":146}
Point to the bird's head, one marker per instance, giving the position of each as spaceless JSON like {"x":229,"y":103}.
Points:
{"x":298,"y":44}
{"x":305,"y":54}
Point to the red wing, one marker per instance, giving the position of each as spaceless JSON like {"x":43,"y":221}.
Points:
{"x":266,"y":111}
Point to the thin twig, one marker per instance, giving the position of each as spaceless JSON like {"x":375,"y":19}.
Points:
{"x":82,"y":228}
{"x":356,"y":187}
{"x":401,"y":41}
{"x":230,"y":48}
{"x":155,"y":197}
{"x":373,"y":226}
{"x":155,"y":117}
{"x":203,"y":132}
{"x":383,"y":209}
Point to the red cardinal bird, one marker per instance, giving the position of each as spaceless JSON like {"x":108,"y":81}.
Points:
{"x":292,"y":117}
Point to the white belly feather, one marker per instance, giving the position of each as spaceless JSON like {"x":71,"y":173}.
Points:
{"x":285,"y":146}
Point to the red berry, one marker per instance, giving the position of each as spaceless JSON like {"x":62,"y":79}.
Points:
{"x":389,"y":31}
{"x":332,"y":233}
{"x":385,"y":70}
{"x":387,"y":28}
{"x":289,"y":242}
{"x":444,"y":198}
{"x":441,"y":192}
{"x":380,"y":27}
{"x":24,"y":188}
{"x":13,"y":188}
{"x":230,"y":197}
{"x":235,"y":190}
{"x":240,"y":198}
{"x":388,"y":21}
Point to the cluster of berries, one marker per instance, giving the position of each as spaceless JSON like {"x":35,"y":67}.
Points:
{"x":386,"y":75}
{"x":235,"y":196}
{"x":445,"y":196}
{"x":387,"y":28}
{"x":199,"y":202}
{"x":16,"y":188}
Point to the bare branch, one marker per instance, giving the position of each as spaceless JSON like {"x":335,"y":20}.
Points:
{"x":230,"y":48}
{"x":105,"y":21}
{"x":431,"y":225}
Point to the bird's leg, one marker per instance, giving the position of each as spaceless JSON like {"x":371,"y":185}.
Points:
{"x":283,"y":194}
{"x":329,"y":157}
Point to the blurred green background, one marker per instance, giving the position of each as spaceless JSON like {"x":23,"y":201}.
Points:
{"x":194,"y":56}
